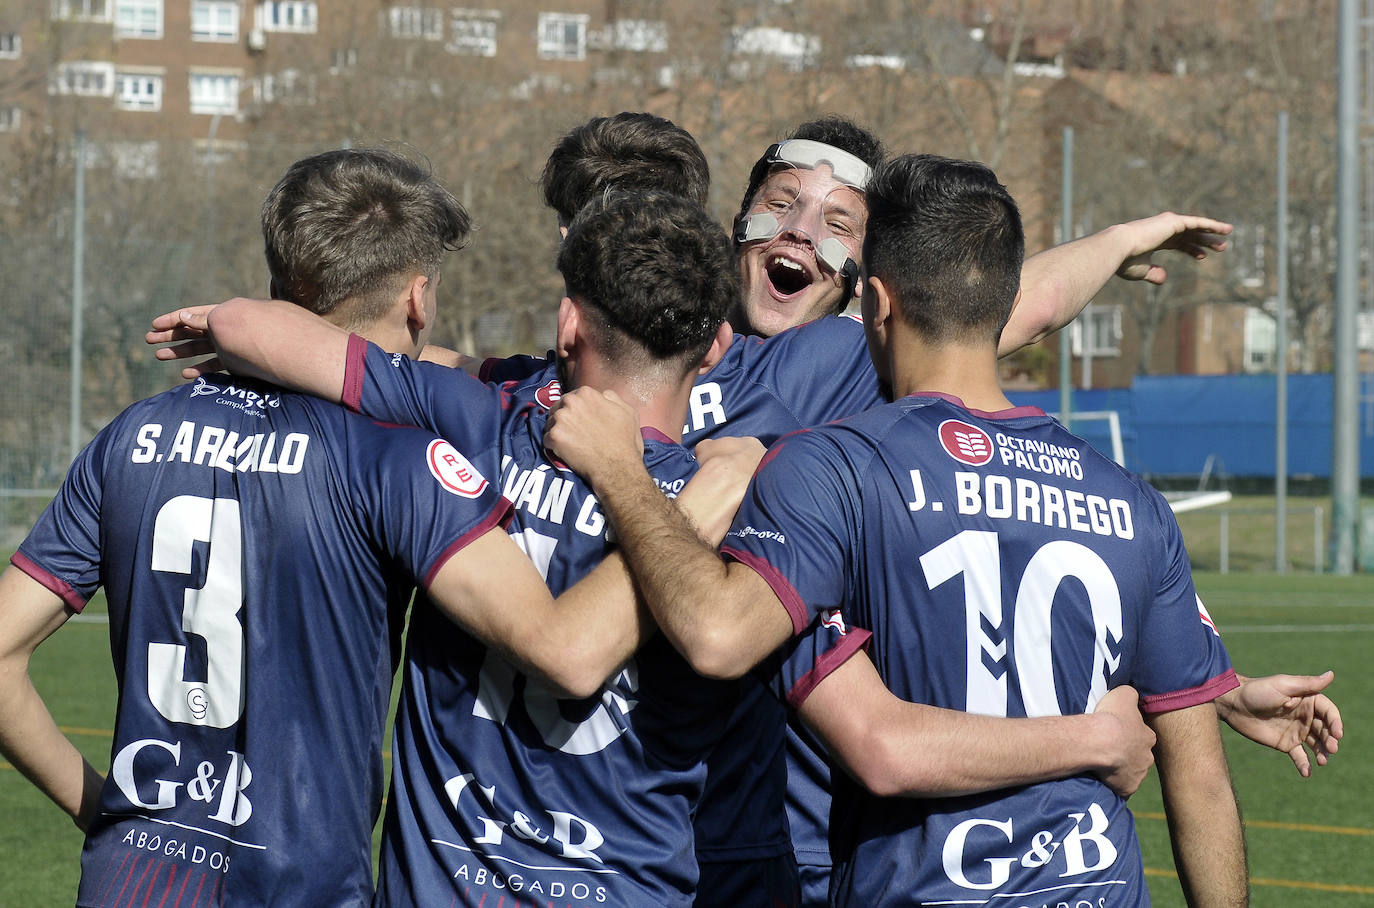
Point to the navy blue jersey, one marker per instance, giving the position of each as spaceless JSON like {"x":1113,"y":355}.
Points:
{"x":1004,"y":568}
{"x":257,"y":551}
{"x":498,"y":787}
{"x":766,"y":388}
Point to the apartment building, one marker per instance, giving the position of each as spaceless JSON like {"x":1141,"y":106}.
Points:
{"x":149,"y":79}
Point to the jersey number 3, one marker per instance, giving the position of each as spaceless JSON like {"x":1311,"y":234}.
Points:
{"x":211,"y":613}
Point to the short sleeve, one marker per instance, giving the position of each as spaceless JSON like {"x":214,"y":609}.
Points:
{"x":394,"y":388}
{"x":424,"y":498}
{"x":797,"y":525}
{"x":1182,"y":661}
{"x":808,"y":658}
{"x":63,"y":550}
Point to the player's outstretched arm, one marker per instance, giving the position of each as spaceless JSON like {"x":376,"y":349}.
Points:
{"x":722,"y":617}
{"x":29,"y":738}
{"x":1288,"y":713}
{"x":1057,"y":283}
{"x":1204,"y":819}
{"x":896,"y":748}
{"x":268,"y":339}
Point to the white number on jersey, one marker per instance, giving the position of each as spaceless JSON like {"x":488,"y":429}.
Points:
{"x":975,"y":555}
{"x":496,"y":686}
{"x":211,"y":613}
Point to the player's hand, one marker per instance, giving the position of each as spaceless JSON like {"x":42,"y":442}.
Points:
{"x":596,"y":434}
{"x":713,"y":495}
{"x":190,"y":326}
{"x":1288,"y":713}
{"x":1130,"y":738}
{"x":1190,"y":234}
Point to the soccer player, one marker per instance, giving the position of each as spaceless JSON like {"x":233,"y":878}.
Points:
{"x":499,"y":787}
{"x":258,"y":550}
{"x":821,"y":373}
{"x":989,"y":584}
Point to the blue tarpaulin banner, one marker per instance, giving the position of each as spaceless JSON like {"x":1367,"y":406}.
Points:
{"x":1172,"y":424}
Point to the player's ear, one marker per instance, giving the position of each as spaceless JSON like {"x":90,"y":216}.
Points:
{"x":877,"y":307}
{"x":569,"y":326}
{"x":417,"y":315}
{"x":721,"y":343}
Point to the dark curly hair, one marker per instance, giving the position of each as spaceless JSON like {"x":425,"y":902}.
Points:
{"x":655,"y":271}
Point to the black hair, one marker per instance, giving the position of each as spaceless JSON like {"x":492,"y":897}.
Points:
{"x":945,"y":237}
{"x":628,"y":152}
{"x":655,"y":270}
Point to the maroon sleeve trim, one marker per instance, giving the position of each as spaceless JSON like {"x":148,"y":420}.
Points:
{"x":851,"y":643}
{"x":498,"y":517}
{"x":1182,"y":699}
{"x":786,"y":593}
{"x":56,"y":585}
{"x":355,"y":370}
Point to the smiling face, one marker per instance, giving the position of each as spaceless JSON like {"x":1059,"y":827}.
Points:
{"x":783,"y":281}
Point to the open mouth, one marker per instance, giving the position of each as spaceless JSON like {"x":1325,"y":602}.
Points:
{"x":786,"y":276}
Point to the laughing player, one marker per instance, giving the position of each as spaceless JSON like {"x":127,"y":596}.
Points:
{"x":987,"y":587}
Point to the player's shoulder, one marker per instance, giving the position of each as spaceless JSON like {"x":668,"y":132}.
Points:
{"x":829,"y":335}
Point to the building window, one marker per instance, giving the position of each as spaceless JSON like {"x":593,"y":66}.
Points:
{"x":287,"y":16}
{"x":138,"y":18}
{"x":563,"y":36}
{"x":639,"y":35}
{"x":341,"y":61}
{"x":1261,"y":334}
{"x":1245,"y":254}
{"x":214,"y":93}
{"x":796,"y":50}
{"x":11,"y":46}
{"x":133,"y":160}
{"x":1103,"y":325}
{"x":138,"y":91}
{"x":289,"y":86}
{"x":9,"y":119}
{"x":214,"y":20}
{"x":84,"y":78}
{"x":416,"y":22}
{"x":473,"y":31}
{"x":97,"y":10}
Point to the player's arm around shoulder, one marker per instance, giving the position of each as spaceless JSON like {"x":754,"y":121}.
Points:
{"x":29,"y":737}
{"x":896,"y":748}
{"x":574,"y":642}
{"x":1204,"y":818}
{"x":281,"y":343}
{"x":721,"y":616}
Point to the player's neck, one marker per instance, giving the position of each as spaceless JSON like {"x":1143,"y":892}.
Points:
{"x":660,"y":406}
{"x":966,"y":372}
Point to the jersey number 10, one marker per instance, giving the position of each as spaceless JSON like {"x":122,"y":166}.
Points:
{"x":975,"y":555}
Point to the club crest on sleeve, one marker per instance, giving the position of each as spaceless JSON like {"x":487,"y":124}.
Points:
{"x":550,"y":394}
{"x":965,"y":443}
{"x":453,"y":470}
{"x":834,"y":620}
